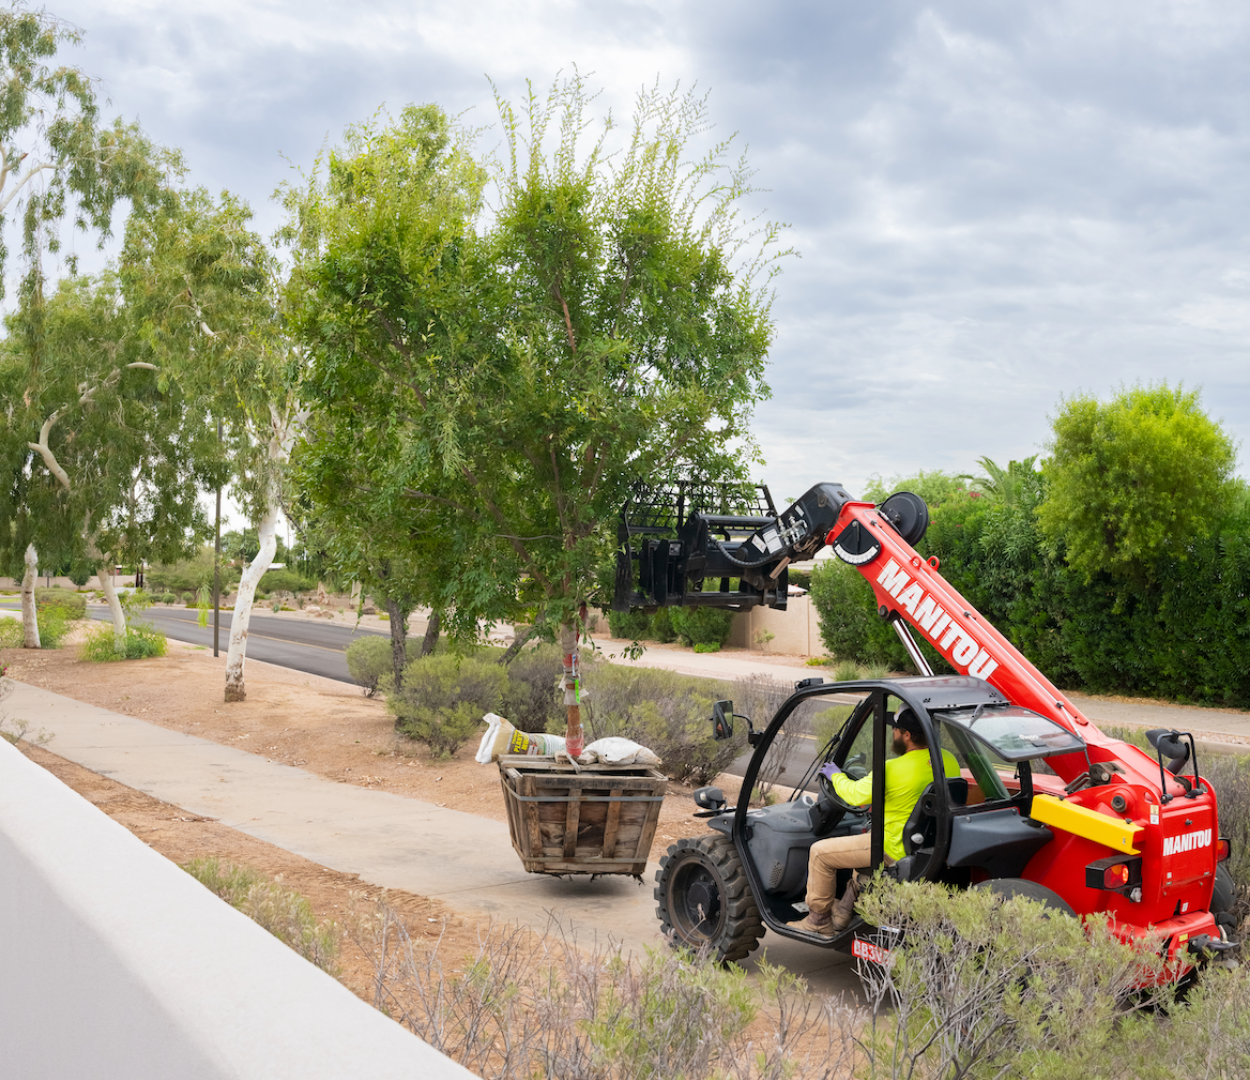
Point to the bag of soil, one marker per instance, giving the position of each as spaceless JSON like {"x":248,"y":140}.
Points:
{"x":502,"y":738}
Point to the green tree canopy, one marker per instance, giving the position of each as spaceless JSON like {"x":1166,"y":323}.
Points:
{"x":528,"y":367}
{"x":1133,"y":478}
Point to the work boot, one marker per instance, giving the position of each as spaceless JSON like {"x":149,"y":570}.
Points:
{"x":844,"y":910}
{"x":814,"y":922}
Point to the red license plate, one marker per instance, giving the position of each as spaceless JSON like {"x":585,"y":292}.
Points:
{"x":867,"y":950}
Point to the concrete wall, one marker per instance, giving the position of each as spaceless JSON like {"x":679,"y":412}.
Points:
{"x":115,"y":963}
{"x":795,"y":631}
{"x":93,"y":582}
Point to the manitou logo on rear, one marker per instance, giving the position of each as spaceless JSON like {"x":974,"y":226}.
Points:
{"x":866,"y":950}
{"x":1174,"y":845}
{"x":962,"y":649}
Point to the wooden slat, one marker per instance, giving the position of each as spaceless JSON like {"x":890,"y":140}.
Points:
{"x":609,"y":829}
{"x":571,"y":818}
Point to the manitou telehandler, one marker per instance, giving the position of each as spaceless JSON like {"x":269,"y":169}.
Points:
{"x":1045,"y":805}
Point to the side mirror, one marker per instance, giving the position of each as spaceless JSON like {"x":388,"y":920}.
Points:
{"x":723,"y":720}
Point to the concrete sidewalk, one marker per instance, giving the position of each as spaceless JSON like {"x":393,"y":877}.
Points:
{"x":390,"y":841}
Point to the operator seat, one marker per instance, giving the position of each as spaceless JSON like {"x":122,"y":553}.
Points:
{"x":920,"y":832}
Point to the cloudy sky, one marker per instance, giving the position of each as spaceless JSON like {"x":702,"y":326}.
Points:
{"x":996,"y":204}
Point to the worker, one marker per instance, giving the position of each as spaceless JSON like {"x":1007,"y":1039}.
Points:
{"x":906,"y":777}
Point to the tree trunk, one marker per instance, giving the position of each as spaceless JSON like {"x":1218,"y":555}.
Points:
{"x":519,"y":638}
{"x":30,"y":620}
{"x":399,"y":639}
{"x":282,"y":432}
{"x":115,"y":607}
{"x":267,"y":529}
{"x":430,"y":642}
{"x":574,"y":737}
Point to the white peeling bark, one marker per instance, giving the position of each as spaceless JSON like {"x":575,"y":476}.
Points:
{"x":118,"y":616}
{"x":30,"y":621}
{"x":283,"y":431}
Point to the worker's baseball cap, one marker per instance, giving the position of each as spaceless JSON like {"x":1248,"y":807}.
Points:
{"x":907,"y":720}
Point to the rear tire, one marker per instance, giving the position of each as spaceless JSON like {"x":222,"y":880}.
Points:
{"x":704,"y":901}
{"x":1008,"y":887}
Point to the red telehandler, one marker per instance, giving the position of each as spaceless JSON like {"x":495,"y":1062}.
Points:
{"x":1046,"y":805}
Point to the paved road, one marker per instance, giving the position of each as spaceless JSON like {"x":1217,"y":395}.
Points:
{"x":300,"y":644}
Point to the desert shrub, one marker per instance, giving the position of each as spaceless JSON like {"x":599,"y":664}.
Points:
{"x":527,"y":1005}
{"x":188,"y":575}
{"x":701,"y":625}
{"x":283,"y":912}
{"x":661,"y":628}
{"x":828,"y":722}
{"x":142,"y":642}
{"x":981,"y":986}
{"x":706,"y":647}
{"x":53,"y":626}
{"x":285,"y":580}
{"x":71,"y":604}
{"x":629,"y":625}
{"x":370,"y":662}
{"x":188,"y":598}
{"x":664,"y":711}
{"x":443,"y":698}
{"x":530,"y":699}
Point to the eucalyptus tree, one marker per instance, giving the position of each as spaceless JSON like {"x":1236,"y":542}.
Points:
{"x":206,"y":288}
{"x":114,"y":472}
{"x":59,"y":161}
{"x":609,"y":322}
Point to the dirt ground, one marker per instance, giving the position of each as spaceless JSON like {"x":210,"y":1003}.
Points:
{"x":318,"y":724}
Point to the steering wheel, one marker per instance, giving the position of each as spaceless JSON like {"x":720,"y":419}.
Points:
{"x":828,"y":794}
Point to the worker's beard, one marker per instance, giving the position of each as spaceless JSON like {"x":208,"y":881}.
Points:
{"x":900,"y":747}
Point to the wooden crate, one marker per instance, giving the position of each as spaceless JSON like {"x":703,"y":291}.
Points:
{"x":597,"y":819}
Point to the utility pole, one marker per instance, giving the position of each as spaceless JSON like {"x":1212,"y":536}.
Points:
{"x":217,"y":569}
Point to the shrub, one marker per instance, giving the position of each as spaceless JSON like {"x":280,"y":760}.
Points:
{"x":981,"y":986}
{"x":629,"y":625}
{"x":73,"y":605}
{"x":188,"y":575}
{"x":142,"y":642}
{"x":52,"y":629}
{"x":188,"y":598}
{"x":527,"y":1005}
{"x":530,"y":700}
{"x":661,"y":628}
{"x":167,"y":598}
{"x":283,"y":912}
{"x":701,"y":625}
{"x":285,"y":580}
{"x":53,"y":626}
{"x":664,"y":711}
{"x":370,"y":661}
{"x":706,"y":647}
{"x":443,"y":698}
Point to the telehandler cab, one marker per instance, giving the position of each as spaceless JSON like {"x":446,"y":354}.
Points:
{"x":1045,"y":805}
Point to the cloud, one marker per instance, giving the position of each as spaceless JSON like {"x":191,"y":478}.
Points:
{"x":996,"y":204}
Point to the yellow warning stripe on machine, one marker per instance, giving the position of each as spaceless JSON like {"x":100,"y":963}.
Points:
{"x":1080,"y":821}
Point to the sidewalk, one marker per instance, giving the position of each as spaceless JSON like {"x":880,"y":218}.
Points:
{"x":390,"y":841}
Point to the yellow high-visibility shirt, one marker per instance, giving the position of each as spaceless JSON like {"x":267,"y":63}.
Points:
{"x":906,"y":778}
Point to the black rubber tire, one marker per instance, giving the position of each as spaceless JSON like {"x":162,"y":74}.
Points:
{"x":1011,"y":886}
{"x":1224,"y":894}
{"x":703,"y":899}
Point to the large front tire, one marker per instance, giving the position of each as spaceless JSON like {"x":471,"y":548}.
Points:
{"x":704,"y":901}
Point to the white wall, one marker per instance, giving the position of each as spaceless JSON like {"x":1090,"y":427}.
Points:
{"x":795,"y":631}
{"x":116,"y":963}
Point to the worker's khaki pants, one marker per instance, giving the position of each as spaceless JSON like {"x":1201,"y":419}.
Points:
{"x":825,"y":858}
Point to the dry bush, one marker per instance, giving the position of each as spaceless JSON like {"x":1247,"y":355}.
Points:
{"x":978,"y":986}
{"x":529,"y":1005}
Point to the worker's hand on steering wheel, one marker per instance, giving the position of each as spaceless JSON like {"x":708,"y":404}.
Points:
{"x":829,"y":768}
